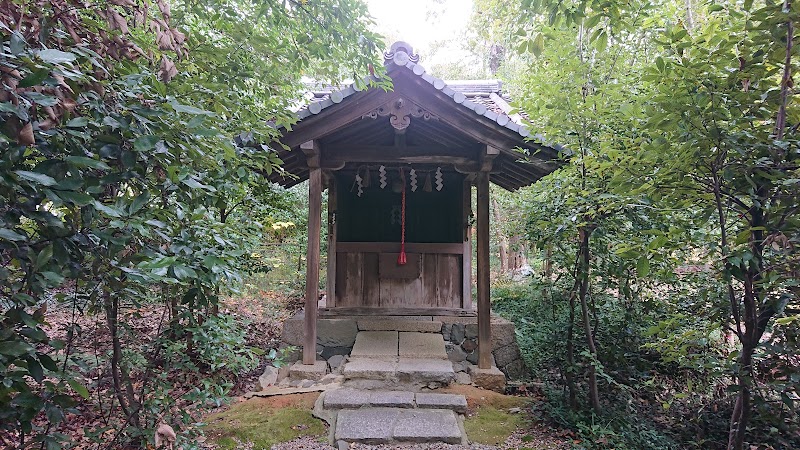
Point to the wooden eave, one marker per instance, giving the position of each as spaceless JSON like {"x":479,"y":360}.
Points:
{"x":456,"y":134}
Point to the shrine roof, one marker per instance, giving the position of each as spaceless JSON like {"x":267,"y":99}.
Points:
{"x":484,"y":99}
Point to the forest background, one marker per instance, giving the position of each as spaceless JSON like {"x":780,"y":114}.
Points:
{"x":663,"y":309}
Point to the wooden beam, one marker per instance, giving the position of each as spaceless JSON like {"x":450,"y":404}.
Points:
{"x":387,"y":247}
{"x":388,"y":311}
{"x":330,"y":282}
{"x":487,"y":156}
{"x":311,"y":150}
{"x":335,"y":155}
{"x":484,"y":306}
{"x":312,"y":265}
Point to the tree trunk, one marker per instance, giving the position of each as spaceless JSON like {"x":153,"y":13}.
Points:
{"x":502,"y":240}
{"x":583,"y":286}
{"x":119,"y":375}
{"x":516,"y":254}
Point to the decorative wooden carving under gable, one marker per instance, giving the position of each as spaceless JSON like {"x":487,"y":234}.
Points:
{"x":401,"y":112}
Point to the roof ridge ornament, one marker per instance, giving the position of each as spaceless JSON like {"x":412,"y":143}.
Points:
{"x":401,"y":112}
{"x":400,"y":53}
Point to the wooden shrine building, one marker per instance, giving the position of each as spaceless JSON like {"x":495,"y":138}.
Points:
{"x":399,"y":167}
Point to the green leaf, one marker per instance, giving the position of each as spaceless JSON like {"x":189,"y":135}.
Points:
{"x":38,"y":178}
{"x":660,"y":64}
{"x":78,"y":122}
{"x":54,"y":56}
{"x":107,"y":210}
{"x":138,"y":202}
{"x":538,"y":45}
{"x":83,"y":161}
{"x":11,"y":235}
{"x":79,"y":388}
{"x":78,"y":198}
{"x":145,"y":143}
{"x":592,"y":21}
{"x":189,"y":109}
{"x":643,"y":267}
{"x":44,"y":256}
{"x":715,"y":7}
{"x":35,"y":78}
{"x":14,"y":348}
{"x":35,"y":369}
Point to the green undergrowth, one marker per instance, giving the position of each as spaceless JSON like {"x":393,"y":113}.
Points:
{"x":260,"y":425}
{"x":491,"y":422}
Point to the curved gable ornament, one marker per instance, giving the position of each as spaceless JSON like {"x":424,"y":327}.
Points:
{"x":400,"y":111}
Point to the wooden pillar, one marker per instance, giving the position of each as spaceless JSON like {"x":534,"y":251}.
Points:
{"x":312,"y":256}
{"x":331,"y":274}
{"x":484,"y":307}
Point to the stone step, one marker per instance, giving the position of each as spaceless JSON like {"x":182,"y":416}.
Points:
{"x":421,"y":326}
{"x":400,"y":370}
{"x":347,"y":398}
{"x":389,"y":425}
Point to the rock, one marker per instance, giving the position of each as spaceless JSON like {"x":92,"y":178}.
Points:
{"x":455,"y":353}
{"x":515,"y":369}
{"x":306,"y":383}
{"x":471,"y":331}
{"x":473,"y":357}
{"x":463,"y":378}
{"x":462,"y":366}
{"x":469,"y":345}
{"x":342,"y":445}
{"x":335,"y":361}
{"x":268,"y":378}
{"x":492,"y":379}
{"x":504,"y":355}
{"x":294,"y":330}
{"x":336,"y":332}
{"x":455,"y":402}
{"x":457,"y":333}
{"x":446,"y":329}
{"x":283,"y":372}
{"x":328,"y":352}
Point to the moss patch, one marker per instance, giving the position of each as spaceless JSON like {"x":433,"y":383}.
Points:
{"x":488,"y":418}
{"x":264,"y":422}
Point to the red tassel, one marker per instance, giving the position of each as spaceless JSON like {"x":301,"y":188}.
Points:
{"x":401,"y":259}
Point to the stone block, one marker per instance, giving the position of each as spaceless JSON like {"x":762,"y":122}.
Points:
{"x":421,"y":326}
{"x":336,"y":332}
{"x":293,"y":330}
{"x":268,"y":378}
{"x":471,"y":330}
{"x":421,"y":345}
{"x":370,"y":369}
{"x":367,"y":425}
{"x":421,"y":371}
{"x":346,"y":399}
{"x":455,"y":353}
{"x":463,"y":378}
{"x":492,"y":379}
{"x":455,"y":402}
{"x":457,"y":333}
{"x":315,"y":372}
{"x":457,"y":319}
{"x":502,"y":333}
{"x":446,"y":329}
{"x":371,"y":344}
{"x":427,"y":426}
{"x":504,"y":355}
{"x":391,"y":399}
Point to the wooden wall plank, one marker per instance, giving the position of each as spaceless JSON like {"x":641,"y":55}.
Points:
{"x":371,"y":288}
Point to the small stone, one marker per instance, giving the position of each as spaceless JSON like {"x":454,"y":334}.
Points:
{"x":306,"y":383}
{"x":295,"y":383}
{"x":283,"y":372}
{"x":515,"y":410}
{"x":462,"y":366}
{"x":286,"y":382}
{"x":473,"y":357}
{"x":342,"y":445}
{"x":463,"y":378}
{"x":469,"y":345}
{"x":471,"y":331}
{"x":335,"y":362}
{"x":316,"y":371}
{"x":268,"y":378}
{"x":457,"y":333}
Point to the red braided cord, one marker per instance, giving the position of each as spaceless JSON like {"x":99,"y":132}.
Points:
{"x":401,"y":259}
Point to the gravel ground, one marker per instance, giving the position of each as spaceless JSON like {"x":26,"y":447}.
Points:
{"x":537,"y":439}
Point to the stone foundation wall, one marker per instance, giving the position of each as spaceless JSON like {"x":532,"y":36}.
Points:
{"x":336,"y":336}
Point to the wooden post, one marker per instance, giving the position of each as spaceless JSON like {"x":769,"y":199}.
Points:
{"x":484,"y":307}
{"x":312,"y":255}
{"x":331,"y":277}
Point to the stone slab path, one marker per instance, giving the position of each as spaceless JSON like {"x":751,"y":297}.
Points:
{"x":384,"y":425}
